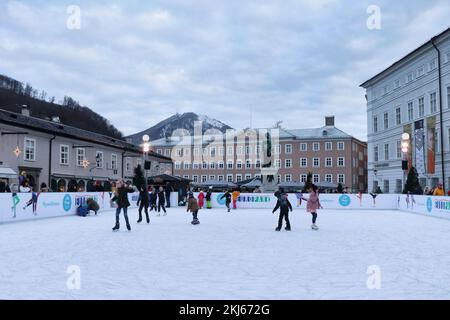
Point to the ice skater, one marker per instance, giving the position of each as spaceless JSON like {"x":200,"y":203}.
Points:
{"x":201,"y":199}
{"x":193,"y":207}
{"x":235,"y":196}
{"x":16,"y":200}
{"x":121,"y":198}
{"x":143,"y":203}
{"x":227,"y":197}
{"x":153,"y":199}
{"x":208,"y":198}
{"x":285,"y":206}
{"x":374,"y":196}
{"x":299,"y":196}
{"x":360,"y":197}
{"x":313,"y":203}
{"x":161,"y":201}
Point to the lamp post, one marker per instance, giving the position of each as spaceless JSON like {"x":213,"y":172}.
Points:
{"x":146,"y":150}
{"x":405,"y":150}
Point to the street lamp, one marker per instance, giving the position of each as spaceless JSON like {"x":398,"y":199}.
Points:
{"x":146,"y":150}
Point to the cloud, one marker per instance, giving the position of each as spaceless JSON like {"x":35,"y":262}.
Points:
{"x":137,"y":63}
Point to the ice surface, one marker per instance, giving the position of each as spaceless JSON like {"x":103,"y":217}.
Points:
{"x":228,"y":256}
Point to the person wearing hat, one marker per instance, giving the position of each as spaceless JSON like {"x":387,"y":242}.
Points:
{"x":208,"y":198}
{"x":193,"y":207}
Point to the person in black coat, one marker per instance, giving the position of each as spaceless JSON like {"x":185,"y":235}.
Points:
{"x":285,"y":206}
{"x":4,"y":187}
{"x":168,"y":192}
{"x":208,"y":199}
{"x":161,"y":201}
{"x":143,"y":203}
{"x":153,"y":199}
{"x":227,"y":196}
{"x":121,"y":198}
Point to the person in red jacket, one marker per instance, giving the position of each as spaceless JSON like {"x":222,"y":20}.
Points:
{"x":201,"y":199}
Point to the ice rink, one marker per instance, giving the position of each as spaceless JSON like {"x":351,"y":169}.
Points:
{"x":228,"y":256}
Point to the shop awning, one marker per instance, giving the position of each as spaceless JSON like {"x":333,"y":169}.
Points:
{"x":8,"y":173}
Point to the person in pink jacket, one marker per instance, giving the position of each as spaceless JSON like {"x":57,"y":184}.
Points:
{"x":313,"y":203}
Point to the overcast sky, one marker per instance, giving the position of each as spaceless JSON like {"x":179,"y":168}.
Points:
{"x":138,"y":62}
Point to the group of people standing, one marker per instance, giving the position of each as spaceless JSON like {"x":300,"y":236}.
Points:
{"x":151,"y":197}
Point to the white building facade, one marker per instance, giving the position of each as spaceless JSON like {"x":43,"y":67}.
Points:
{"x":407,"y":97}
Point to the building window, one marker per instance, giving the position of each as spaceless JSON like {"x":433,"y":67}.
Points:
{"x":433,"y":64}
{"x":410,"y":111}
{"x":329,"y":178}
{"x":99,"y":160}
{"x":114,"y":161}
{"x":288,"y":148}
{"x":248,"y":150}
{"x":196,"y":152}
{"x":278,"y":163}
{"x":229,"y":178}
{"x":221,"y":165}
{"x":328,"y":146}
{"x":186,"y":165}
{"x":303,"y":147}
{"x":167,"y":152}
{"x":177,"y":165}
{"x":128,"y":165}
{"x":179,"y":152}
{"x":195,"y":165}
{"x":277,"y":149}
{"x":221,"y":150}
{"x":375,"y":124}
{"x":220,"y":177}
{"x":398,"y":116}
{"x":420,"y":71}
{"x":341,"y":178}
{"x":186,"y":177}
{"x":212,"y":177}
{"x":239,"y":164}
{"x":212,"y":151}
{"x":30,"y":150}
{"x":303,"y":178}
{"x":421,"y":106}
{"x":448,"y":97}
{"x":386,"y":151}
{"x":341,"y":161}
{"x":386,"y":186}
{"x":340,"y":145}
{"x":204,"y":178}
{"x":410,"y":77}
{"x":205,"y":165}
{"x":195,"y":178}
{"x":288,"y":163}
{"x":248,"y":176}
{"x":81,"y":156}
{"x":64,"y":154}
{"x":238,"y":177}
{"x":229,"y":164}
{"x":258,"y":164}
{"x":316,"y":178}
{"x":386,"y":120}
{"x":316,"y":146}
{"x":287,"y":178}
{"x":375,"y":153}
{"x":328,"y":162}
{"x":212,"y":165}
{"x":303,"y":162}
{"x":316,"y":162}
{"x":399,"y":149}
{"x":159,"y":151}
{"x":433,"y":103}
{"x":248,"y":164}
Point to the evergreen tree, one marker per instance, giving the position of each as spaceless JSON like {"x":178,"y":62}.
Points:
{"x":308,"y":183}
{"x":340,"y":189}
{"x":412,"y":182}
{"x":139,"y":179}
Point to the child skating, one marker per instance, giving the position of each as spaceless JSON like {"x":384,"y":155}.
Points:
{"x":313,"y":203}
{"x":285,"y":206}
{"x":208,"y":199}
{"x":193,"y":207}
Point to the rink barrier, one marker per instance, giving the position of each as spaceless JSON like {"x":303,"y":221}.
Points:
{"x":50,"y":205}
{"x":13,"y":206}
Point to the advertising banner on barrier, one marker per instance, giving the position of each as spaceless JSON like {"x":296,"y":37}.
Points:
{"x":328,"y":201}
{"x":29,"y":206}
{"x":426,"y":205}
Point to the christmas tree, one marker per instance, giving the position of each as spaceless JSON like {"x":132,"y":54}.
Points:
{"x":412,"y":182}
{"x":308,"y":183}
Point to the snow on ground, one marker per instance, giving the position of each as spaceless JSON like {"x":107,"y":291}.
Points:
{"x":228,"y":256}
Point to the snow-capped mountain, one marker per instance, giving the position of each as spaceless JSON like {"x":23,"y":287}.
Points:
{"x":185,"y":121}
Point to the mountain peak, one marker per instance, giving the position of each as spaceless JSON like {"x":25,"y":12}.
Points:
{"x":185,"y":121}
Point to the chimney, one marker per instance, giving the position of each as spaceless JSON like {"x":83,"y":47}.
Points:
{"x":329,"y":121}
{"x":25,"y":110}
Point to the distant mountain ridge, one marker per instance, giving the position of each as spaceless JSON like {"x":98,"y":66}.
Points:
{"x":185,"y":121}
